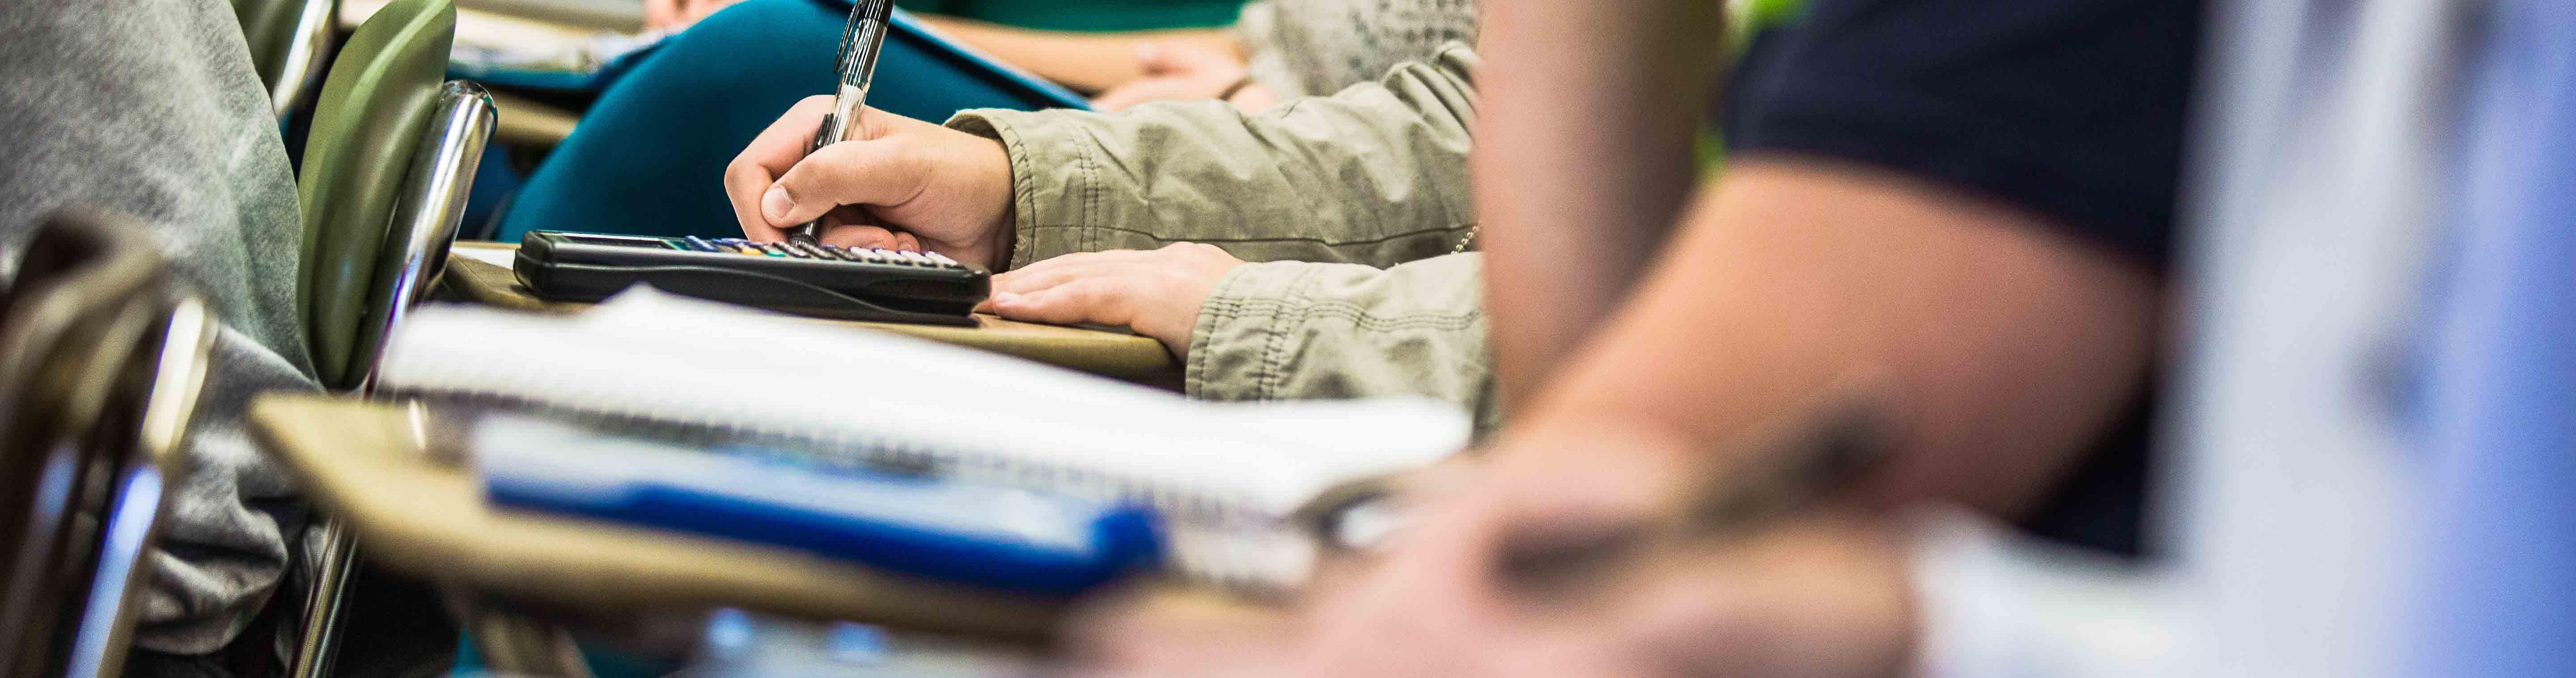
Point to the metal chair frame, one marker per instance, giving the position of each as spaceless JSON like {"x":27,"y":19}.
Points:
{"x":426,"y":217}
{"x":305,"y":58}
{"x":104,"y":358}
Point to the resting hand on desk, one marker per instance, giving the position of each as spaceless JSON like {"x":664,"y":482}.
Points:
{"x":1156,"y":293}
{"x":901,"y":183}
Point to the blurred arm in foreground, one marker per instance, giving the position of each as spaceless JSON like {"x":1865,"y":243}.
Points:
{"x":1975,"y":233}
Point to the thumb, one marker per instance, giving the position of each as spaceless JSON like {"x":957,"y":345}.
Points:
{"x":869,"y":172}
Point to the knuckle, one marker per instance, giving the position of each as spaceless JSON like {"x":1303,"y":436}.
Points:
{"x":1086,"y":292}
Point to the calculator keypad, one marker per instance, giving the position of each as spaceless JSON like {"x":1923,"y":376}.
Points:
{"x":798,"y":250}
{"x":807,"y":278}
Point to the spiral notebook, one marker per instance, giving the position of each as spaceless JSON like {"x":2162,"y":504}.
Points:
{"x":651,"y":361}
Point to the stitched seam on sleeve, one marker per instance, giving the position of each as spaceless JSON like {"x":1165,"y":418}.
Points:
{"x":1213,"y":314}
{"x":1025,"y":215}
{"x":1024,"y":243}
{"x":1359,"y":316}
{"x":1274,"y":357}
{"x":1091,"y":216}
{"x":1443,"y":230}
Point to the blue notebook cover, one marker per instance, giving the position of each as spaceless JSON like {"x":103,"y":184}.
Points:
{"x":946,"y":530}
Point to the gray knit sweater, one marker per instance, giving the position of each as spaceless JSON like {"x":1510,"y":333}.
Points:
{"x":150,"y":107}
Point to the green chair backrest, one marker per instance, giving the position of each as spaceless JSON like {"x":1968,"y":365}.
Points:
{"x":268,"y":25}
{"x":375,"y":103}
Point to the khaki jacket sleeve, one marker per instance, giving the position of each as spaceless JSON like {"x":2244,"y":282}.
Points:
{"x":1297,"y":330}
{"x":1374,"y":175}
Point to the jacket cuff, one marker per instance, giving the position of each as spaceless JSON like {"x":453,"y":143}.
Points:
{"x":1054,"y":180}
{"x":1237,"y":349}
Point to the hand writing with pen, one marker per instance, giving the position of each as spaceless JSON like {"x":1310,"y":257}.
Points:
{"x":906,"y":184}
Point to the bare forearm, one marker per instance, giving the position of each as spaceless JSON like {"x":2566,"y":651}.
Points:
{"x":1088,"y":62}
{"x":1583,"y":159}
{"x":2003,"y":346}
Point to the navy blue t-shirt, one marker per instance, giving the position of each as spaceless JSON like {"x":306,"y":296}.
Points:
{"x":2070,"y":109}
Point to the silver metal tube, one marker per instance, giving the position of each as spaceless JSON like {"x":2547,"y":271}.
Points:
{"x":428,"y":211}
{"x":303,"y":65}
{"x":321,"y":639}
{"x":426,"y":217}
{"x":178,"y":375}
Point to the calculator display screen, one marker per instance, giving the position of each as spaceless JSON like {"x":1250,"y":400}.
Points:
{"x":618,"y":240}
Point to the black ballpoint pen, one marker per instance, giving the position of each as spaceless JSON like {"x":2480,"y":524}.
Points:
{"x":861,"y":38}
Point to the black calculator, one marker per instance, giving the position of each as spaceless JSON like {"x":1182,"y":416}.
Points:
{"x":804,"y":279}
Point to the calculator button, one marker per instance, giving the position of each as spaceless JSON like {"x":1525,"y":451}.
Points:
{"x":868,"y":256}
{"x":696,"y":243}
{"x":773,"y":249}
{"x":805,"y":251}
{"x":836,"y":252}
{"x":915,"y":258}
{"x":941,"y":259}
{"x":886,"y":255}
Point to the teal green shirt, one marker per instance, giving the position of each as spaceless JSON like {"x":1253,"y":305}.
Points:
{"x":1086,"y":15}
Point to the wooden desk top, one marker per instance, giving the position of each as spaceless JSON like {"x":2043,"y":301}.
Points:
{"x":1109,"y":354}
{"x":365,"y":462}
